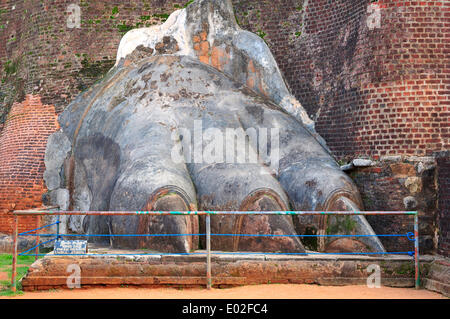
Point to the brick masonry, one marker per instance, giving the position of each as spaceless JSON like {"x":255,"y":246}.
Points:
{"x":22,"y":149}
{"x":371,"y":73}
{"x":402,"y":184}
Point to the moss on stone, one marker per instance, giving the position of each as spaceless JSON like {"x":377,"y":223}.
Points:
{"x":261,"y":33}
{"x":124,"y":28}
{"x":188,"y":3}
{"x":13,"y":89}
{"x":10,"y":67}
{"x":162,"y":16}
{"x":343,"y":224}
{"x":368,"y":202}
{"x":144,"y":18}
{"x":95,"y":69}
{"x":405,"y":269}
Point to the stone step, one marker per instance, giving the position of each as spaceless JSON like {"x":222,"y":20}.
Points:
{"x":438,"y":286}
{"x":52,"y":271}
{"x":134,"y":280}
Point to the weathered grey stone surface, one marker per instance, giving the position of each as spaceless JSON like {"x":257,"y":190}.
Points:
{"x":410,"y":203}
{"x":23,"y":243}
{"x":238,"y":53}
{"x":61,"y":198}
{"x":56,"y":152}
{"x":165,"y":133}
{"x":437,"y":276}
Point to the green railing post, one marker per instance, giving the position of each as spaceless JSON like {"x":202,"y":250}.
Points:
{"x":36,"y":251}
{"x":416,"y":250}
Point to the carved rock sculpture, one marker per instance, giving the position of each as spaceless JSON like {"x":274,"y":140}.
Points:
{"x":164,"y":131}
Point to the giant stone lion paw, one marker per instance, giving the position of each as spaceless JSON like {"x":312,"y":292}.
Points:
{"x":195,"y":115}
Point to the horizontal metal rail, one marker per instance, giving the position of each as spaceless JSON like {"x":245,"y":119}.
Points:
{"x":407,"y":235}
{"x":130,"y":213}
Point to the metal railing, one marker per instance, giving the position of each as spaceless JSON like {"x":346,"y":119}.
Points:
{"x":45,"y":212}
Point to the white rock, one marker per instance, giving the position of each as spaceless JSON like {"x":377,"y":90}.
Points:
{"x":391,"y":158}
{"x":409,"y":202}
{"x":421,"y":167}
{"x":360,"y":162}
{"x":149,"y":37}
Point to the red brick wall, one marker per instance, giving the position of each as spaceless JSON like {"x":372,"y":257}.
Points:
{"x":443,"y":165}
{"x":22,"y":148}
{"x":374,"y":88}
{"x":381,"y":91}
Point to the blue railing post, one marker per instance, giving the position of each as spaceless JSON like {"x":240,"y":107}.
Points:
{"x":38,"y":225}
{"x":57,"y":227}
